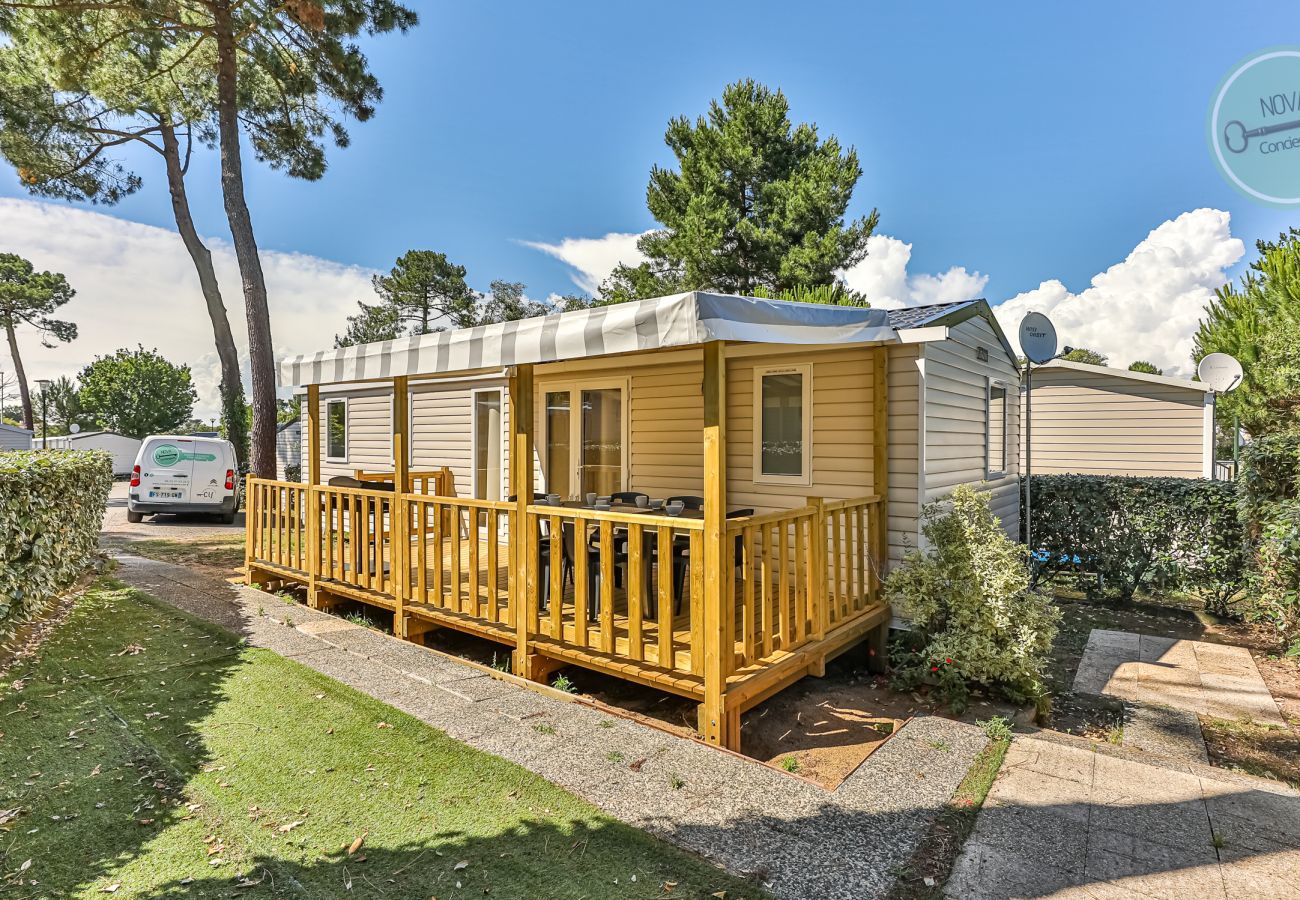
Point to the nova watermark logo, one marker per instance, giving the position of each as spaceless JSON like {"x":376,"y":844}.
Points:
{"x":1255,"y":126}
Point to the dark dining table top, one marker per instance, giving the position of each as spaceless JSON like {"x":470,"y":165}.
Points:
{"x":633,"y":508}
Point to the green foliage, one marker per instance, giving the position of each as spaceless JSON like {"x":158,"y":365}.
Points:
{"x":996,"y":728}
{"x":28,"y":297}
{"x":1142,"y":365}
{"x":51,"y":508}
{"x":427,"y":292}
{"x":1122,"y":534}
{"x":975,"y":618}
{"x":754,"y":202}
{"x":137,"y":392}
{"x":59,"y":407}
{"x":1258,"y":322}
{"x":506,"y":303}
{"x":1270,"y":474}
{"x":1084,"y":355}
{"x":1270,"y":508}
{"x":827,"y":294}
{"x":374,"y":322}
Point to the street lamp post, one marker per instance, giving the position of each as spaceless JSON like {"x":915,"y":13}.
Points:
{"x":44,"y":384}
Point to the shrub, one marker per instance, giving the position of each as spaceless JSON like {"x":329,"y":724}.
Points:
{"x":51,"y":509}
{"x":974,"y":616}
{"x":293,"y":472}
{"x":1270,"y":473}
{"x":1133,"y":533}
{"x":1275,"y":578}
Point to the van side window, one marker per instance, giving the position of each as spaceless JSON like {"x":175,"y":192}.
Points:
{"x":336,"y":430}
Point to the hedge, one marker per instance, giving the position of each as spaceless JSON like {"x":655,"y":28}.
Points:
{"x":1122,"y":534}
{"x":1270,"y":509}
{"x":51,"y":508}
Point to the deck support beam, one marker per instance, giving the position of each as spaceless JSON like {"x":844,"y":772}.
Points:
{"x":312,"y":444}
{"x":717,"y":724}
{"x":524,"y":593}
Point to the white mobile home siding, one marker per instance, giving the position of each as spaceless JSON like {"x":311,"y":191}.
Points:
{"x":369,"y":431}
{"x":905,"y":398}
{"x":14,"y":438}
{"x":1099,"y":423}
{"x":956,"y":421}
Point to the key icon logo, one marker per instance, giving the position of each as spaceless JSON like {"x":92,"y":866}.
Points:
{"x":1254,"y":126}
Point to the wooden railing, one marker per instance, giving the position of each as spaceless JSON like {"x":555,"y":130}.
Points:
{"x":461,"y":557}
{"x":276,"y":523}
{"x":356,"y":537}
{"x":616,"y":583}
{"x":626,"y":591}
{"x":441,"y":482}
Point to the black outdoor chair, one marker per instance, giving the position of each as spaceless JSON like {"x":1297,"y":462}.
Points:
{"x":627,"y":497}
{"x":694,"y":504}
{"x":543,"y":555}
{"x":682,"y":558}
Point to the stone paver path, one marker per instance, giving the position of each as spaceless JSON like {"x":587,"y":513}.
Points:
{"x":1068,"y":821}
{"x":1212,"y":680}
{"x":801,"y":840}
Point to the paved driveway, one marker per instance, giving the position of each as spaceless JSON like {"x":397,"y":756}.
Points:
{"x":161,"y":527}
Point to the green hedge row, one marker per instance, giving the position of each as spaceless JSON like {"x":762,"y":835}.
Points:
{"x":51,"y":509}
{"x":1120,"y":534}
{"x":1270,"y":510}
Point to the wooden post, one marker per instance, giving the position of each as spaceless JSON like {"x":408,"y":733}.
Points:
{"x":719,"y":725}
{"x":400,"y":512}
{"x":312,"y":446}
{"x":251,"y":511}
{"x":523,"y":598}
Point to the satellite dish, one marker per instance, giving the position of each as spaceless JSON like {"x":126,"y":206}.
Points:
{"x":1220,"y":371}
{"x":1037,"y":338}
{"x":74,"y":428}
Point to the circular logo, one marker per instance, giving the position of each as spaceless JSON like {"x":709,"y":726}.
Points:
{"x":1255,"y":126}
{"x":166,"y":455}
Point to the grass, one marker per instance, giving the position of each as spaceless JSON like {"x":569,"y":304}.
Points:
{"x":935,"y":856}
{"x":161,"y":756}
{"x":790,"y":764}
{"x":1266,"y":751}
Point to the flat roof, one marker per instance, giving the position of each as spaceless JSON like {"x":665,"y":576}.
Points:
{"x":1166,"y":380}
{"x":679,"y":320}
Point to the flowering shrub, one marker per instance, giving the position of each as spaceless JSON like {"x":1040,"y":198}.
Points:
{"x":51,"y":508}
{"x":974,"y":616}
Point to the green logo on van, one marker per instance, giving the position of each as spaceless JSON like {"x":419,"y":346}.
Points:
{"x":167,"y":455}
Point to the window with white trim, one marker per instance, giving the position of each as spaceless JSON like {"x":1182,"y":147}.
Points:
{"x":336,"y":430}
{"x":782,"y":424}
{"x":996,"y":417}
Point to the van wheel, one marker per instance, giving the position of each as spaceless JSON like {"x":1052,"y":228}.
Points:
{"x":134,"y":517}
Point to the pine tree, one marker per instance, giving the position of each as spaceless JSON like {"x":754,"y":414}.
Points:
{"x":28,"y":297}
{"x":1142,"y":365}
{"x":427,"y":293}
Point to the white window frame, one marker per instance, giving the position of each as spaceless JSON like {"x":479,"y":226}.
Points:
{"x":473,"y":429}
{"x":575,"y":389}
{"x":347,"y":427}
{"x":805,"y":476}
{"x":990,"y":473}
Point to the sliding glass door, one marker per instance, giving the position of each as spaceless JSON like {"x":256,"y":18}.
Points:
{"x":583,"y":448}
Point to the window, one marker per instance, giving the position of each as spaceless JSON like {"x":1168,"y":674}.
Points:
{"x":996,"y":430}
{"x":336,"y":430}
{"x":783,"y":405}
{"x":584,"y":439}
{"x":487,"y":445}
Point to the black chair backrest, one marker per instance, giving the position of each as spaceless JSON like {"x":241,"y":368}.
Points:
{"x":627,"y":496}
{"x":740,"y":514}
{"x":344,"y":481}
{"x":691,"y":503}
{"x":537,"y":498}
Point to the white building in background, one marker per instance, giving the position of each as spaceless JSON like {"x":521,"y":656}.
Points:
{"x":123,"y":448}
{"x":14,"y":438}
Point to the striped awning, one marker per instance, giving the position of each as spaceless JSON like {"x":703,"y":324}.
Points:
{"x":680,"y":320}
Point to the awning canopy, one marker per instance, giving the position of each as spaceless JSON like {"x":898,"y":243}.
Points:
{"x":680,"y":320}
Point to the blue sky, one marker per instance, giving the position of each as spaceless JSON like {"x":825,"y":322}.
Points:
{"x":1027,"y":142}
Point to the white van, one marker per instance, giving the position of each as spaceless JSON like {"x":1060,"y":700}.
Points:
{"x":182,"y":474}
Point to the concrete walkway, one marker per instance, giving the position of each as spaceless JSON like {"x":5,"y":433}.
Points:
{"x":799,"y":839}
{"x":1069,"y":821}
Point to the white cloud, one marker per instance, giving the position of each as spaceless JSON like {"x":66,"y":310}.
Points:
{"x":593,"y":259}
{"x":883,"y":277}
{"x":1147,"y":306}
{"x":136,"y":285}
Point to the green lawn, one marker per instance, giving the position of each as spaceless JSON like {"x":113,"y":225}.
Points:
{"x":149,"y":751}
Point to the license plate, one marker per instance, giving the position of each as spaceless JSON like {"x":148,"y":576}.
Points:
{"x":166,"y":495}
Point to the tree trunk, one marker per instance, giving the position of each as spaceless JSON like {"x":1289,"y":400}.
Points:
{"x":260,"y":354}
{"x":20,"y":375}
{"x":232,"y":386}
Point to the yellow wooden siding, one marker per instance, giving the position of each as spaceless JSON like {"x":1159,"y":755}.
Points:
{"x":1095,"y":423}
{"x":904,"y":449}
{"x":956,"y":382}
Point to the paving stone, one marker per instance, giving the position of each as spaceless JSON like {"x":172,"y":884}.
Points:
{"x":1156,"y":876}
{"x":1051,"y":759}
{"x":1165,"y":731}
{"x":984,"y":871}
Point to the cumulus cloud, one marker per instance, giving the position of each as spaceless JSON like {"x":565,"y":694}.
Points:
{"x":592,"y":259}
{"x":883,"y":278}
{"x":1148,"y":305}
{"x":136,"y":285}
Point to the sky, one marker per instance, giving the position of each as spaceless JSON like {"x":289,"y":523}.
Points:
{"x":1040,"y":156}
